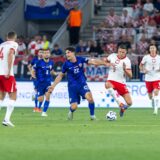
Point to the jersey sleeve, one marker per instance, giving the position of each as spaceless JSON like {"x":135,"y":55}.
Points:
{"x":143,"y":60}
{"x":109,"y":58}
{"x":84,"y":60}
{"x":128,"y":64}
{"x":14,"y":47}
{"x":64,"y":68}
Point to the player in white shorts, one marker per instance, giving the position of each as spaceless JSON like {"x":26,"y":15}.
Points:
{"x":150,"y":65}
{"x":8,"y":49}
{"x":120,"y":68}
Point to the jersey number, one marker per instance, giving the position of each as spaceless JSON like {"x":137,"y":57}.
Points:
{"x":1,"y":54}
{"x":76,"y":70}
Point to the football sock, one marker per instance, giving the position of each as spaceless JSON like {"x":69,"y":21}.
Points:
{"x":1,"y":103}
{"x":46,"y":105}
{"x":91,"y":108}
{"x":40,"y":105}
{"x":36,"y":100}
{"x":156,"y":103}
{"x":113,"y":94}
{"x":10,"y":108}
{"x":152,"y":102}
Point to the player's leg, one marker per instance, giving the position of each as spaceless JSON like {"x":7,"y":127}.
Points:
{"x":149,"y":87}
{"x":109,"y":87}
{"x":10,"y":108}
{"x":156,"y":100}
{"x":91,"y":104}
{"x":46,"y":104}
{"x":2,"y":91}
{"x":156,"y":88}
{"x":72,"y":109}
{"x":74,"y":100}
{"x":10,"y":88}
{"x":2,"y":96}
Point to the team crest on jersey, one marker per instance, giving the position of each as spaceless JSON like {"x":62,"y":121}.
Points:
{"x":80,"y":65}
{"x":117,"y":61}
{"x":153,"y":60}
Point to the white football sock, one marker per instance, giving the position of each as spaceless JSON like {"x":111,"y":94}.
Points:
{"x":10,"y":108}
{"x":1,"y":103}
{"x":156,"y":104}
{"x":113,"y":94}
{"x":152,"y":103}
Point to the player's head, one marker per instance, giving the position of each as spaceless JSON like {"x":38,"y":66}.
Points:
{"x":40,"y":53}
{"x":122,"y":51}
{"x":70,"y":53}
{"x":152,"y":49}
{"x":46,"y":54}
{"x":11,"y":36}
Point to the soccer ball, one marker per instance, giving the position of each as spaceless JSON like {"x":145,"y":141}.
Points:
{"x":111,"y":116}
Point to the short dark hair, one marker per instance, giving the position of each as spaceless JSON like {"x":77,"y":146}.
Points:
{"x":72,"y":49}
{"x":11,"y":34}
{"x":122,"y":46}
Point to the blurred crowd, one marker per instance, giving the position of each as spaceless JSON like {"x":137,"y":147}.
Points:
{"x":136,"y":27}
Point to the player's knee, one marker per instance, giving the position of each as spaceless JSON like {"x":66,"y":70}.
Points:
{"x":129,"y":103}
{"x":40,"y":99}
{"x":90,"y":100}
{"x":107,"y":85}
{"x":74,"y":106}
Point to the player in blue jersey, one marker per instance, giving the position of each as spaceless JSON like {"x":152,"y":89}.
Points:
{"x":43,"y":71}
{"x":37,"y":107}
{"x":77,"y":86}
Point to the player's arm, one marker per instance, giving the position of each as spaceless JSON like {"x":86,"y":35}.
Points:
{"x":56,"y":81}
{"x":10,"y":61}
{"x":127,"y":71}
{"x":54,"y":73}
{"x":98,"y":62}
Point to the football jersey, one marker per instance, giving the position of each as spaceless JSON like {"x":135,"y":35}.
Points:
{"x":34,"y":60}
{"x":43,"y":70}
{"x":152,"y":64}
{"x":75,"y":71}
{"x":4,"y":52}
{"x":117,"y":73}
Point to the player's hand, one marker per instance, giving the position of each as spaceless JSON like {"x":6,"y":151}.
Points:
{"x":33,"y":74}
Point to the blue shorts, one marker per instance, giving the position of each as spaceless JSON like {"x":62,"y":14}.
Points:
{"x":42,"y":88}
{"x":76,"y":92}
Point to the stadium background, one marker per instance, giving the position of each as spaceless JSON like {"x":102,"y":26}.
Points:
{"x":100,"y":35}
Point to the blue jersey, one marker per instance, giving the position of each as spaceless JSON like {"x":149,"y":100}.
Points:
{"x":75,"y":71}
{"x":34,"y":60}
{"x":43,"y":70}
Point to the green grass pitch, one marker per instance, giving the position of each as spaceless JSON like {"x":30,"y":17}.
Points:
{"x":136,"y":136}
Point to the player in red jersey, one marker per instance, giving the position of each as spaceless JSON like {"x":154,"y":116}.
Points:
{"x":8,"y":49}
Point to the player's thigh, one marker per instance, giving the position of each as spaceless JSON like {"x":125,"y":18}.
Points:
{"x":127,"y":98}
{"x":108,"y":84}
{"x":156,"y":92}
{"x":2,"y":95}
{"x":13,"y":95}
{"x":74,"y":96}
{"x":89,"y":97}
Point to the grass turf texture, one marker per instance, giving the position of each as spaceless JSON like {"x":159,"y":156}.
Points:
{"x":136,"y":136}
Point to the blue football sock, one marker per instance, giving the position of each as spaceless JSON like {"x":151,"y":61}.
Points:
{"x":40,"y":104}
{"x":46,"y":105}
{"x":91,"y":108}
{"x":36,"y":100}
